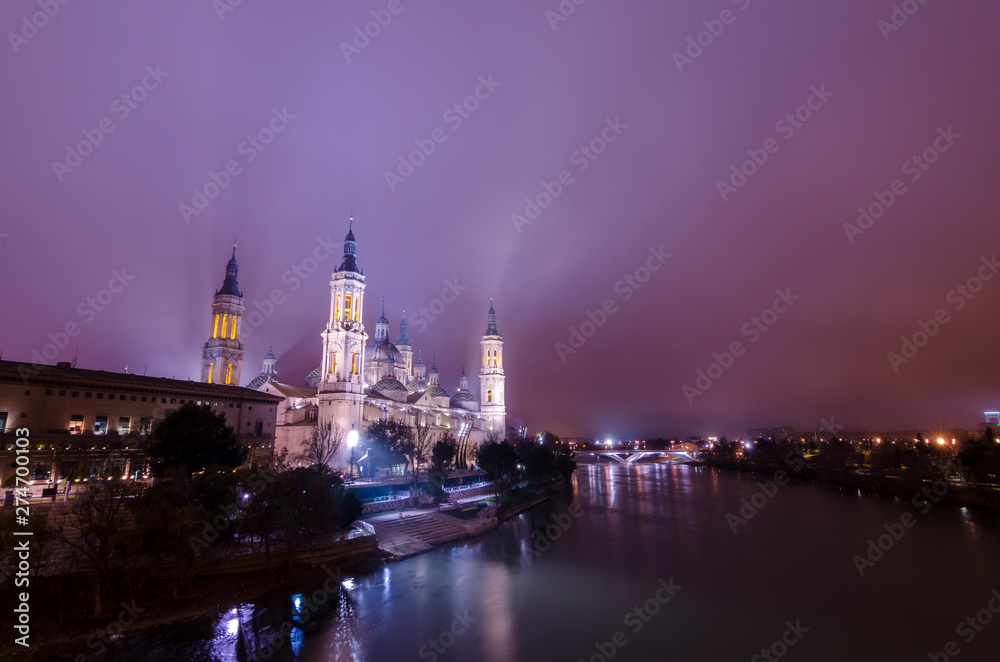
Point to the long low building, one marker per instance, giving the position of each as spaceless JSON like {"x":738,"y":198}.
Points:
{"x":100,"y":420}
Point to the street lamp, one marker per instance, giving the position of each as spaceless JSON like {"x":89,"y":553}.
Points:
{"x":352,"y":441}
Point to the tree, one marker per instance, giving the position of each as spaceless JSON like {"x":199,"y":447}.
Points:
{"x":499,"y":461}
{"x":323,"y":445}
{"x":442,"y":462}
{"x":420,"y":449}
{"x":73,"y":473}
{"x":390,"y":436}
{"x":94,"y":529}
{"x":191,"y":439}
{"x":165,"y":523}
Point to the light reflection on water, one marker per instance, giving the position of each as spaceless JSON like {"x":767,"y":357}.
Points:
{"x":640,"y":524}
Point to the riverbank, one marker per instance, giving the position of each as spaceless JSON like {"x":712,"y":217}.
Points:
{"x":81,"y":637}
{"x":958,"y":493}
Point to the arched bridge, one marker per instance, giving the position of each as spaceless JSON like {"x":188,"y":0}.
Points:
{"x":680,"y":452}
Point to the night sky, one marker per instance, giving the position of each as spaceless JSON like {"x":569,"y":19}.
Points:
{"x":681,"y":117}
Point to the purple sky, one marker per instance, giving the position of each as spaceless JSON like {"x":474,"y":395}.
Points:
{"x":656,"y":184}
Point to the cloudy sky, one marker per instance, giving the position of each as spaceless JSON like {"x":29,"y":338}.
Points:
{"x":633,"y":183}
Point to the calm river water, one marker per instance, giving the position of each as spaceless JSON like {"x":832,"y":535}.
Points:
{"x":788,"y":572}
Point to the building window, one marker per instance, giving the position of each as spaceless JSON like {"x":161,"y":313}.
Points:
{"x":258,"y":428}
{"x":3,"y":421}
{"x":163,"y":401}
{"x":87,"y":394}
{"x":489,"y":396}
{"x":132,"y":398}
{"x":232,"y":333}
{"x":211,"y":369}
{"x":76,"y":424}
{"x":124,"y":423}
{"x":225,"y":322}
{"x":229,"y":373}
{"x":145,"y":425}
{"x":76,"y":394}
{"x":143,"y":398}
{"x":62,"y":392}
{"x":100,"y":396}
{"x":121,"y":397}
{"x":215,"y":327}
{"x":48,"y":391}
{"x":101,"y":425}
{"x":173,"y":401}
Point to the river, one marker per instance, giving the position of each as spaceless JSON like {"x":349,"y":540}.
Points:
{"x":656,"y":538}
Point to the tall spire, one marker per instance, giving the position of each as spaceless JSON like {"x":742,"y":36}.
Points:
{"x":350,"y":259}
{"x":404,"y":338}
{"x":491,"y":321}
{"x":230,"y":285}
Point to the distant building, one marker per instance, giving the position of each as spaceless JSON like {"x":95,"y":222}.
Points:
{"x":222,"y":355}
{"x":100,"y":419}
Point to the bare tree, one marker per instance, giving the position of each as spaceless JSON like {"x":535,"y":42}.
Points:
{"x":323,"y":445}
{"x":423,"y":441}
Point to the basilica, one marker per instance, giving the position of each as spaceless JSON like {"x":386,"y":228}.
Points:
{"x":360,"y":378}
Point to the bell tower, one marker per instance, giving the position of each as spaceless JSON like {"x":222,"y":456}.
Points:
{"x":341,"y":386}
{"x":222,"y":355}
{"x":491,"y":377}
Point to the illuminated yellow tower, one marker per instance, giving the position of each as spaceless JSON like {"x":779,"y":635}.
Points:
{"x":222,"y":355}
{"x":341,"y":388}
{"x":492,"y":401}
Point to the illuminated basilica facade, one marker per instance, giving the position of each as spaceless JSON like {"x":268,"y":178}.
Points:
{"x":360,"y":378}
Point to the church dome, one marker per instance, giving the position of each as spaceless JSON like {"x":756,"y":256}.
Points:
{"x":389,"y":384}
{"x":438,"y":391}
{"x":312,"y":379}
{"x":464,"y":396}
{"x":378,"y":351}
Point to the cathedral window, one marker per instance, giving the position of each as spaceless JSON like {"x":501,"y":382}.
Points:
{"x":489,"y":396}
{"x":229,"y":373}
{"x":347,"y":306}
{"x":215,"y":329}
{"x":225,"y":321}
{"x":354,"y":363}
{"x":211,"y":369}
{"x":336,"y":308}
{"x":232,"y":334}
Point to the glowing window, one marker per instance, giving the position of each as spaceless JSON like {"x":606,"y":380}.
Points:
{"x":215,"y":329}
{"x":336,"y":308}
{"x":232,"y":334}
{"x":229,"y":373}
{"x":489,"y":396}
{"x":347,"y":306}
{"x":211,"y":369}
{"x":354,"y":363}
{"x":225,"y":321}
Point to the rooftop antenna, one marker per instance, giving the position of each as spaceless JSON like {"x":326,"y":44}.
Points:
{"x":126,"y":368}
{"x":144,"y":366}
{"x":76,"y":353}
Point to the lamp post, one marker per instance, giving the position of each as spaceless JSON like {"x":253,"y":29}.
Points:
{"x":352,"y":441}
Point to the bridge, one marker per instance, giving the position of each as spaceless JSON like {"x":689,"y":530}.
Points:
{"x":679,"y":452}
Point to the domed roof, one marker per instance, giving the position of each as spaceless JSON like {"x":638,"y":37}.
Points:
{"x":438,"y":391}
{"x":312,"y":379}
{"x":378,"y":351}
{"x":262,"y":379}
{"x":413,"y":387}
{"x":464,"y":396}
{"x":389,"y":384}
